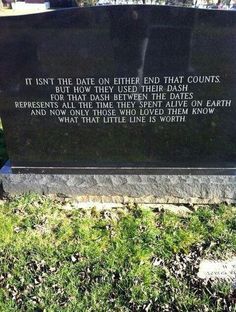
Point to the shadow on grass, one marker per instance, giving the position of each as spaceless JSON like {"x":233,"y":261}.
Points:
{"x":54,"y":257}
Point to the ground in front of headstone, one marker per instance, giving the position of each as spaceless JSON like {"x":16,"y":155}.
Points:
{"x":58,"y":254}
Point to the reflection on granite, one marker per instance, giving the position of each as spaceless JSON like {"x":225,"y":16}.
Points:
{"x":119,"y":41}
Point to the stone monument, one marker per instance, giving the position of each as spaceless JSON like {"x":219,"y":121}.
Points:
{"x":137,"y":99}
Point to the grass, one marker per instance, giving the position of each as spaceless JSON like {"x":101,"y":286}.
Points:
{"x":57,"y":259}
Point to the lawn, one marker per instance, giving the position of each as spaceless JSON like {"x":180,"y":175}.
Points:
{"x":54,"y":257}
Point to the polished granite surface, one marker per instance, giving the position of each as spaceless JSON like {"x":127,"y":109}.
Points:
{"x":188,"y":123}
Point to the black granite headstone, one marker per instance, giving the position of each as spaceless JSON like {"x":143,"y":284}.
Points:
{"x":120,"y":89}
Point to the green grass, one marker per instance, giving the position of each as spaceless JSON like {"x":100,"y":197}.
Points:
{"x":57,"y":259}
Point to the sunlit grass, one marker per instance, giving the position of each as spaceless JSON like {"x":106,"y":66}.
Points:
{"x":131,"y":259}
